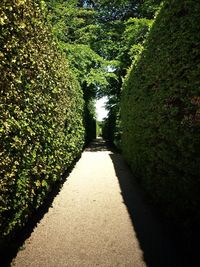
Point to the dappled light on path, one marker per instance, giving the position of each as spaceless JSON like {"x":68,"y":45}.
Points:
{"x":97,"y":145}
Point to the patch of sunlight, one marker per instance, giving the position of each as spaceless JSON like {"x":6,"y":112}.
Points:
{"x":100,"y":108}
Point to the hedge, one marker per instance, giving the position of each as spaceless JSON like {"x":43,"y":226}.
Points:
{"x":160,"y":112}
{"x":111,"y":130}
{"x":41,"y":110}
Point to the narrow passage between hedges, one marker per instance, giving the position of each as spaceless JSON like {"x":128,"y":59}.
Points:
{"x":99,"y":218}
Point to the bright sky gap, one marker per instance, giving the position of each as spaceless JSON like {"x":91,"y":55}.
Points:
{"x":100,"y":108}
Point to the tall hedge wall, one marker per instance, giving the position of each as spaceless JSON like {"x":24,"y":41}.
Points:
{"x":161,"y":115}
{"x":41,"y":106}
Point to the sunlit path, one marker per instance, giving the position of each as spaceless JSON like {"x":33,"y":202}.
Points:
{"x":89,"y":223}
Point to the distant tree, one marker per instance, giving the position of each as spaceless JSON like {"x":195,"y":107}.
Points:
{"x":101,"y":39}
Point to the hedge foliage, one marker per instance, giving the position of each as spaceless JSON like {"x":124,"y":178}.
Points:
{"x":111,"y":130}
{"x":41,"y":108}
{"x":161,"y":115}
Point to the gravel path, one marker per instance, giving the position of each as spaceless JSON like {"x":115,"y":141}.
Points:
{"x":99,"y":218}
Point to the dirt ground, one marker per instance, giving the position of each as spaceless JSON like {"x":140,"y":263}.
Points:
{"x":99,"y":218}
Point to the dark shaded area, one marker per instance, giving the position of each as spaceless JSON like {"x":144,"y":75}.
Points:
{"x":160,"y":115}
{"x":158,"y":240}
{"x":10,"y":247}
{"x":109,"y":129}
{"x":98,"y":144}
{"x":89,"y":113}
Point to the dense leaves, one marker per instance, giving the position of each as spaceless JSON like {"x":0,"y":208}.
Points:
{"x":75,"y":26}
{"x":160,"y":112}
{"x":41,"y":110}
{"x":126,"y":48}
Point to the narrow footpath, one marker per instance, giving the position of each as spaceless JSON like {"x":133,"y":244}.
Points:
{"x":99,"y":218}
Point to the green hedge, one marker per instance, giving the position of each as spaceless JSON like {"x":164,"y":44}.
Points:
{"x":161,"y":115}
{"x":41,"y":110}
{"x":111,"y":130}
{"x":89,"y":121}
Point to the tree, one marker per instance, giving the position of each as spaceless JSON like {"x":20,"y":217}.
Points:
{"x":75,"y":26}
{"x":100,"y":39}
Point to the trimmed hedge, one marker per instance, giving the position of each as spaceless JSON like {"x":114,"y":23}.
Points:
{"x":160,"y":112}
{"x":90,"y":121}
{"x":111,"y":130}
{"x":41,"y":110}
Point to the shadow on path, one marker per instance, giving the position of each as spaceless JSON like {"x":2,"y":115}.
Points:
{"x":97,"y":145}
{"x":156,"y":239}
